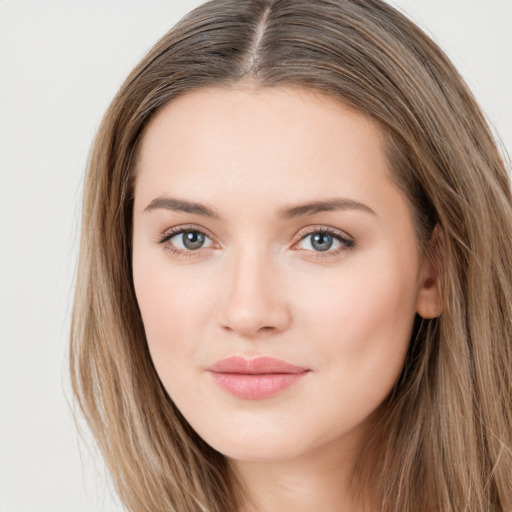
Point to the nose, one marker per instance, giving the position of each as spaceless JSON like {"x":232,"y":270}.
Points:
{"x":255,"y":303}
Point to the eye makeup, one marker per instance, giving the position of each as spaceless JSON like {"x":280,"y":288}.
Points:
{"x":322,"y":239}
{"x":319,"y":241}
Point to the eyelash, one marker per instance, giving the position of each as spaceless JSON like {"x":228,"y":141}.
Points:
{"x":166,"y":237}
{"x":346,"y":241}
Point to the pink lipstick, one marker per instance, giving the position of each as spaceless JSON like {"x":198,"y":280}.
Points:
{"x":257,"y":378}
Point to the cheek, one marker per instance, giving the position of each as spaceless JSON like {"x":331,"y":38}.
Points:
{"x":363,"y":322}
{"x":169,"y":313}
{"x":173,"y":310}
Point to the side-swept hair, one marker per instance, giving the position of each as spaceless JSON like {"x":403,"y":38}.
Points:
{"x":445,"y":440}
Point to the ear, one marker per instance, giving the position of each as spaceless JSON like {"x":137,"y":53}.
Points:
{"x":429,"y":303}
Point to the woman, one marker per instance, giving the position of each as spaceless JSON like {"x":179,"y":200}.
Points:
{"x":295,"y":287}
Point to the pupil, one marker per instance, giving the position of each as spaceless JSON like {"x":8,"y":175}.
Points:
{"x":193,"y":239}
{"x":322,"y":241}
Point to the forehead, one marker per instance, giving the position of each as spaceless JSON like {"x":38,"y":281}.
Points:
{"x":242,"y":134}
{"x":247,"y":108}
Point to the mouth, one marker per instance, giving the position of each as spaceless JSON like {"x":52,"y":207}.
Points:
{"x":256,"y":379}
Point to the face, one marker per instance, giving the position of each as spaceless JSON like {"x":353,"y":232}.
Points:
{"x":275,"y":266}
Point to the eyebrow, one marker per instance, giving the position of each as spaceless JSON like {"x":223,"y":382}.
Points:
{"x":310,"y":208}
{"x":329,"y":205}
{"x":180,"y":205}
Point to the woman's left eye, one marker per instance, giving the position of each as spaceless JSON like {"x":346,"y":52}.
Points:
{"x":322,"y":241}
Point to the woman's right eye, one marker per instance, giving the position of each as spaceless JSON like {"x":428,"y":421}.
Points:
{"x":186,"y":240}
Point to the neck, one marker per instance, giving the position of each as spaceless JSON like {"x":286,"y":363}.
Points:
{"x":317,"y":481}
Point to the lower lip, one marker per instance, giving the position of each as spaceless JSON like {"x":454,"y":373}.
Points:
{"x":256,"y":386}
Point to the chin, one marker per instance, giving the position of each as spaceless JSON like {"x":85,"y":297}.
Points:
{"x":261,"y":452}
{"x":259,"y":446}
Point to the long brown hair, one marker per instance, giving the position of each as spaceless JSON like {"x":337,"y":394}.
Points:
{"x":445,"y":440}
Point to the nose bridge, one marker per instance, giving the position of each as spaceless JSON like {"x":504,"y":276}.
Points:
{"x":252,"y":267}
{"x":254,"y":301}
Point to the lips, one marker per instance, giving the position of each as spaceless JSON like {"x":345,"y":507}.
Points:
{"x":256,"y":379}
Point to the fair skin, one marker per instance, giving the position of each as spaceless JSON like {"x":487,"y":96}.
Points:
{"x":333,"y":290}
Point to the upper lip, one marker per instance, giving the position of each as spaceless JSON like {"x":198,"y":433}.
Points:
{"x":259,"y":365}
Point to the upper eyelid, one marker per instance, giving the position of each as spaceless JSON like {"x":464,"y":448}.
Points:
{"x":176,"y":230}
{"x":324,"y":229}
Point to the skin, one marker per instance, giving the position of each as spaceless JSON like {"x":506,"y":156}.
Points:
{"x":258,"y":286}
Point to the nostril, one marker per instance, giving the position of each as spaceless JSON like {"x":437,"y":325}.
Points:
{"x":249,"y":330}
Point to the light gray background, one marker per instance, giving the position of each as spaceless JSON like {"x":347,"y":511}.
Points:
{"x":60,"y":64}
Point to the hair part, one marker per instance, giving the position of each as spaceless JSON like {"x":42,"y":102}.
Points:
{"x":444,"y":439}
